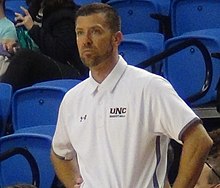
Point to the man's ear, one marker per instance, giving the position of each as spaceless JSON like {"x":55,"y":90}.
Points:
{"x":117,"y":38}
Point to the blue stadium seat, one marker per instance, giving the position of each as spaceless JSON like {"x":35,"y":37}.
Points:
{"x":186,"y":69}
{"x":192,"y":15}
{"x":5,"y":106}
{"x":136,"y":15}
{"x":30,"y":159}
{"x":138,"y":47}
{"x":35,"y":109}
{"x":16,"y":169}
{"x":39,"y":129}
{"x":12,"y":6}
{"x":164,"y":6}
{"x":63,"y":83}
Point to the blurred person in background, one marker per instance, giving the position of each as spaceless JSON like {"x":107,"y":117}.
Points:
{"x":7,"y":28}
{"x":58,"y":56}
{"x":8,"y":39}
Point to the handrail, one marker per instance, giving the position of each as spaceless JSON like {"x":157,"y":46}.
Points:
{"x":29,"y":157}
{"x":178,"y":47}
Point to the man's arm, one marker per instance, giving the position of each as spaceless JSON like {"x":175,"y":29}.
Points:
{"x":196,"y":146}
{"x":67,"y":171}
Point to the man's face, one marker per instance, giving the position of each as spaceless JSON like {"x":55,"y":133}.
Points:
{"x":94,"y":39}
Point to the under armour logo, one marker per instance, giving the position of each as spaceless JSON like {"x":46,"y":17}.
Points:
{"x":82,"y":118}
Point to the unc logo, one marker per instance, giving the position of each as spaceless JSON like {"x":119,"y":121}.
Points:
{"x":118,"y":112}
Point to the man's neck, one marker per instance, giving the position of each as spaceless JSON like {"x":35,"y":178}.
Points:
{"x":101,"y":71}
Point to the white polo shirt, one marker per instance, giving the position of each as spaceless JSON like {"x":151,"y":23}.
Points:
{"x":120,"y":129}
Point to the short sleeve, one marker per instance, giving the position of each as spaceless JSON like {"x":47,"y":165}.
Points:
{"x":171,"y":114}
{"x":61,"y":144}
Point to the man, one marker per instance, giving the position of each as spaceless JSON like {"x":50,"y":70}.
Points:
{"x":114,"y":128}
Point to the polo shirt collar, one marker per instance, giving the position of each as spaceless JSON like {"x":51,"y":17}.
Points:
{"x":111,"y":80}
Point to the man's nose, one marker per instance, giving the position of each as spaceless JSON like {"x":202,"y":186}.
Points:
{"x":87,"y":40}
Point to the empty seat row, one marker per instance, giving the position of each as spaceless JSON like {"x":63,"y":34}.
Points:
{"x":175,"y":17}
{"x":35,"y":108}
{"x":25,"y":154}
{"x":187,"y":69}
{"x":152,"y":15}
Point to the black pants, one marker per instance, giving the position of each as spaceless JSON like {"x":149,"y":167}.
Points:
{"x":28,"y":67}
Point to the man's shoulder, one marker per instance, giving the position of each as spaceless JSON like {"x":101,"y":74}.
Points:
{"x":138,"y":74}
{"x":143,"y":79}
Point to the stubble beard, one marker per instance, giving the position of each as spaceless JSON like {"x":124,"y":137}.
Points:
{"x":95,"y":60}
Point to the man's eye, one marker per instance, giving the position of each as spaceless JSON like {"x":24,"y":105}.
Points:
{"x":78,"y":33}
{"x":96,"y":31}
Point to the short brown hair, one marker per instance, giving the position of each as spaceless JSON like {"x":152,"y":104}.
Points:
{"x":112,"y":18}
